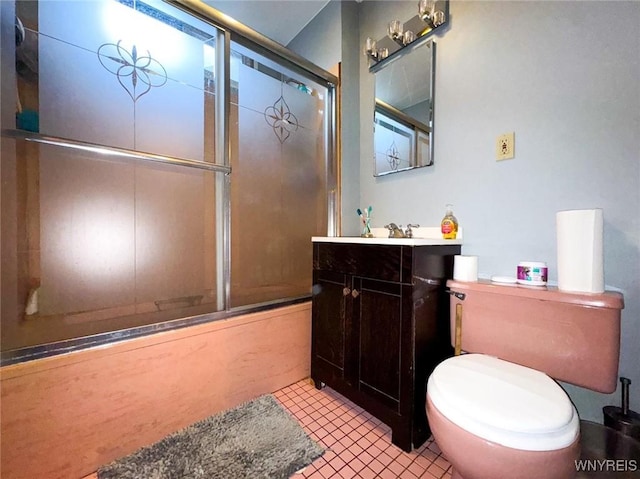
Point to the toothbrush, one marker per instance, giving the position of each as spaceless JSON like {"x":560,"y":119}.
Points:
{"x":359,"y":211}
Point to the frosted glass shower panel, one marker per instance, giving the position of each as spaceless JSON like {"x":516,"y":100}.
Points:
{"x":118,"y":76}
{"x":278,"y":186}
{"x":123,"y":238}
{"x":87,"y":233}
{"x":305,"y":175}
{"x":175,"y":235}
{"x":307,"y":100}
{"x":91,"y":109}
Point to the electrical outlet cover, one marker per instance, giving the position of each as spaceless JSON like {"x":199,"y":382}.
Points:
{"x":505,"y":146}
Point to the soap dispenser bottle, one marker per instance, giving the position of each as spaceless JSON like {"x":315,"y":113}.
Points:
{"x":449,"y":224}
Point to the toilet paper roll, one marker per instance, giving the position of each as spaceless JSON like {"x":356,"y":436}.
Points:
{"x":465,"y":268}
{"x":580,"y":236}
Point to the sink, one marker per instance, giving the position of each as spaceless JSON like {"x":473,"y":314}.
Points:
{"x":422,"y":232}
{"x":422,"y":236}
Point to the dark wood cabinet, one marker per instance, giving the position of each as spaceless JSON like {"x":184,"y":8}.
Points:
{"x":380,"y":324}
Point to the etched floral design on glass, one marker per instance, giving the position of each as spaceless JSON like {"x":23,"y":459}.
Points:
{"x":280,"y":118}
{"x":136,"y":73}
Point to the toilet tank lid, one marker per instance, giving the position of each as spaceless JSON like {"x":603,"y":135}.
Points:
{"x":608,"y":299}
{"x":503,"y":402}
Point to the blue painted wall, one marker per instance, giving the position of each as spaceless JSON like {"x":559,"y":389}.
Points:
{"x":565,"y":77}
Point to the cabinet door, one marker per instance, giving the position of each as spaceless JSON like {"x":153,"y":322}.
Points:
{"x":383,"y":329}
{"x":331,"y":296}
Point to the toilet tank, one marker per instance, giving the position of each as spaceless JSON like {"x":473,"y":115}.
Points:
{"x":571,"y":337}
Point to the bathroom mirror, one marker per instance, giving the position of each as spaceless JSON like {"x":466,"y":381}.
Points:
{"x":403,"y":118}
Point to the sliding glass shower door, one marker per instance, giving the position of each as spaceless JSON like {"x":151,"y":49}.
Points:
{"x":149,"y":179}
{"x":111,"y":178}
{"x":279,"y":179}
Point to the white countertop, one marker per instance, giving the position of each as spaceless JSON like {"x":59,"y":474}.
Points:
{"x":423,"y":236}
{"x":386,"y":241}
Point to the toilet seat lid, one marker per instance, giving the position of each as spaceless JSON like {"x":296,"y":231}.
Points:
{"x":503,"y":402}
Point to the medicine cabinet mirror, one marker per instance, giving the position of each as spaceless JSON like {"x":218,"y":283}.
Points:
{"x":403,"y":118}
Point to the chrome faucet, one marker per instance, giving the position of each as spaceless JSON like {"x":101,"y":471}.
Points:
{"x":409,"y":232}
{"x":395,"y":231}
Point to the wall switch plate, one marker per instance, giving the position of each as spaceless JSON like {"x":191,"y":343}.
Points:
{"x":505,"y":146}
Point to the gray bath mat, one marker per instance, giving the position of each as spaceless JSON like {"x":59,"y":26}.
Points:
{"x":257,"y":439}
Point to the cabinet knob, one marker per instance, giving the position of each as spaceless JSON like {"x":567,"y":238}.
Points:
{"x":346,"y":291}
{"x":355,"y":293}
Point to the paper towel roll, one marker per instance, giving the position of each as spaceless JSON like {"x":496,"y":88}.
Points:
{"x":580,"y":236}
{"x":465,"y":268}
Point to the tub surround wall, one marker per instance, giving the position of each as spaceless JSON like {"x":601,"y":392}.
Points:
{"x":64,"y":416}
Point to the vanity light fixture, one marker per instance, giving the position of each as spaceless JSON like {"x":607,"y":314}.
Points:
{"x":408,"y":37}
{"x":372,"y":51}
{"x":426,"y":10}
{"x":395,"y":31}
{"x":431,"y":15}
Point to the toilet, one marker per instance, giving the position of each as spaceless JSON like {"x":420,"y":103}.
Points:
{"x":495,"y":410}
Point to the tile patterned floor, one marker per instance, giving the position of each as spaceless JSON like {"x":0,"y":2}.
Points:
{"x":357,"y":444}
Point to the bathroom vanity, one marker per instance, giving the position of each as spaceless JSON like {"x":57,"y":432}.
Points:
{"x":380,"y":324}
